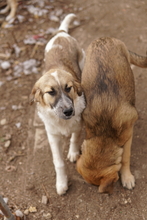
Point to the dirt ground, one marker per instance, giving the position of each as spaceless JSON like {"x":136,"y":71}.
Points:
{"x":26,"y":168}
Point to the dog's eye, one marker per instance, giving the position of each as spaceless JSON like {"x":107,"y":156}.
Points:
{"x":52,"y":92}
{"x":67,"y":89}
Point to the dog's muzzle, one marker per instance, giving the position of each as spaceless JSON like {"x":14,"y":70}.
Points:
{"x":68,"y":112}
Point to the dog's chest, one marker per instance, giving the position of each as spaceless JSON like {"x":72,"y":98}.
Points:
{"x":55,"y":125}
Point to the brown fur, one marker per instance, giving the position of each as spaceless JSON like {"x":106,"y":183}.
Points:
{"x":110,"y":113}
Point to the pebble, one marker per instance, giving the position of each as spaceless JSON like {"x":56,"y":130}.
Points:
{"x":32,"y":209}
{"x":18,"y":125}
{"x":59,"y":12}
{"x":19,"y":213}
{"x":20,"y":18}
{"x":3,"y":121}
{"x":44,"y":200}
{"x":5,"y":65}
{"x":47,"y":216}
{"x":51,"y":30}
{"x":7,"y":144}
{"x":26,"y":212}
{"x":7,"y":137}
{"x":54,"y":18}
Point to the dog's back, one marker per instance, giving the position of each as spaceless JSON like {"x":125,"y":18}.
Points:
{"x":108,"y":84}
{"x":62,"y":47}
{"x":110,"y":113}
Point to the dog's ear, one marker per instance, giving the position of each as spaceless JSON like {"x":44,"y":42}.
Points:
{"x":35,"y":96}
{"x":106,"y":184}
{"x":78,"y":88}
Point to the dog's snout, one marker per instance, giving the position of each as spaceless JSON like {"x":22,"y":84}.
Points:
{"x":68,"y":112}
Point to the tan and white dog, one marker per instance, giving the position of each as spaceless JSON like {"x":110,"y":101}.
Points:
{"x":59,"y":98}
{"x":12,"y":6}
{"x":110,"y":113}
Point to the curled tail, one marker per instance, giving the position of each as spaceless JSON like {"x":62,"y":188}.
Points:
{"x":138,"y":60}
{"x":66,"y":22}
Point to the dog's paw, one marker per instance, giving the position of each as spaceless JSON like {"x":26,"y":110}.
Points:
{"x":61,"y":188}
{"x":73,"y":156}
{"x":128,"y":181}
{"x":10,"y":19}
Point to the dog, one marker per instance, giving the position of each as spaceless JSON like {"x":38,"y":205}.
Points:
{"x":59,"y":97}
{"x":12,"y":6}
{"x":110,"y":113}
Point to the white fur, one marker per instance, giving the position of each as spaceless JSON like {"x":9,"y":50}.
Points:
{"x":66,"y":22}
{"x":57,"y":127}
{"x":55,"y":75}
{"x":51,"y":44}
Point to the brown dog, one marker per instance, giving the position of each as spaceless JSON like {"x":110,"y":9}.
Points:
{"x":110,"y":113}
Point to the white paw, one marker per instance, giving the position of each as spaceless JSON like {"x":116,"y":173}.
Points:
{"x":3,"y":11}
{"x":128,"y":181}
{"x":10,"y":19}
{"x":73,"y":156}
{"x":61,"y":188}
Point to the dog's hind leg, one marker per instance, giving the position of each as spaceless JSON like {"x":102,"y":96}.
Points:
{"x":61,"y":176}
{"x":127,"y":178}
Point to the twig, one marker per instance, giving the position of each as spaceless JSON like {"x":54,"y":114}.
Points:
{"x":14,"y":37}
{"x":45,"y":191}
{"x":4,"y":208}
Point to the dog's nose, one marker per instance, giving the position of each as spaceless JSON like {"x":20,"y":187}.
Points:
{"x":68,"y":112}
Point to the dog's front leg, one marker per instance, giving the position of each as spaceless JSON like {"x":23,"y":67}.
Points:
{"x":61,"y":176}
{"x":127,"y":178}
{"x":75,"y":143}
{"x":13,"y":6}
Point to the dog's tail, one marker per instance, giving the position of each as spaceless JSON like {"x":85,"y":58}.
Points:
{"x":138,"y":60}
{"x":66,"y":22}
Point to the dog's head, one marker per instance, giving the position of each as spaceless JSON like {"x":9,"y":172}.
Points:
{"x":98,"y":177}
{"x":99,"y":167}
{"x":58,"y":91}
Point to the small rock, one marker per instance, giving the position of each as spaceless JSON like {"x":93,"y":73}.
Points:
{"x":26,"y":212}
{"x":7,"y":144}
{"x":137,"y":174}
{"x":20,"y":18}
{"x":18,"y":125}
{"x":17,"y":50}
{"x":3,"y":121}
{"x":5,"y":65}
{"x":47,"y":216}
{"x":29,"y":40}
{"x":51,"y":30}
{"x":44,"y":200}
{"x":125,"y":201}
{"x":1,"y":83}
{"x":18,"y":213}
{"x":2,"y":108}
{"x":10,"y":168}
{"x":7,"y":137}
{"x":32,"y":209}
{"x":59,"y":12}
{"x":76,"y":23}
{"x":54,"y":18}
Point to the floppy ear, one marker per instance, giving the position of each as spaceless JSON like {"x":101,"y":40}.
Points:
{"x":35,"y":96}
{"x":78,"y":88}
{"x":106,"y":184}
